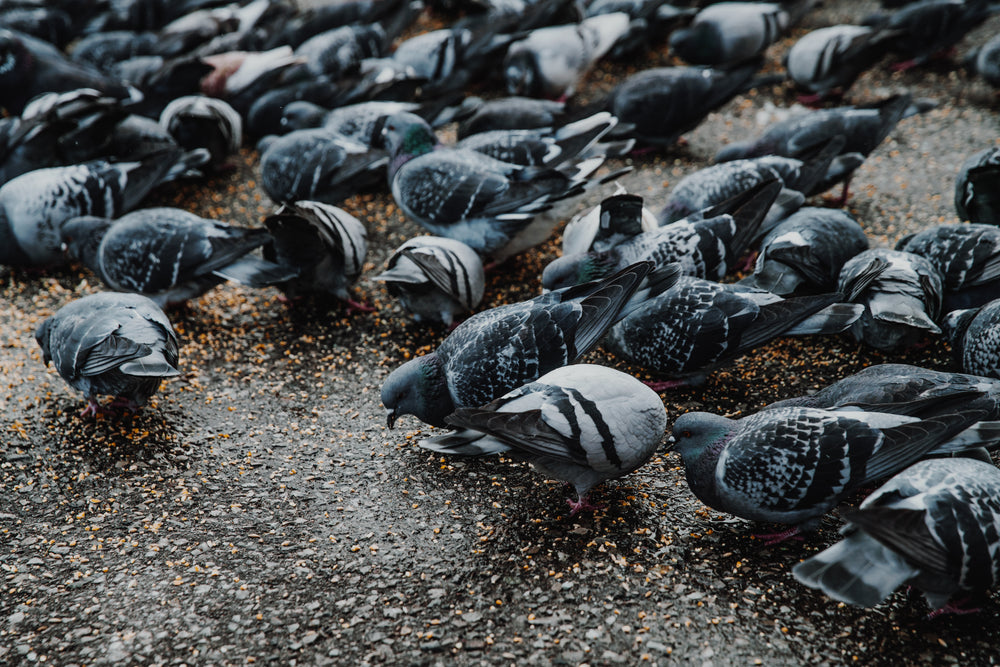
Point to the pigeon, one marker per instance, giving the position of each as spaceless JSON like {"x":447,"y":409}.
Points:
{"x":51,"y":24}
{"x":977,"y":188}
{"x":974,"y":334}
{"x":435,"y":278}
{"x":582,"y":424}
{"x":324,"y":244}
{"x":103,"y":50}
{"x":699,"y":325}
{"x":319,"y":165}
{"x":360,"y":122}
{"x":551,"y":61}
{"x":58,"y":129}
{"x":806,"y":252}
{"x":985,"y":61}
{"x":827,"y":61}
{"x":338,"y":52}
{"x":497,"y":350}
{"x":968,"y":258}
{"x":196,"y":121}
{"x":716,"y":183}
{"x":863,"y":129}
{"x":32,"y":67}
{"x":705,"y":245}
{"x":168,"y":254}
{"x":933,"y":526}
{"x":617,"y":219}
{"x":161,"y":80}
{"x":34,"y":206}
{"x":240,"y":77}
{"x":902,"y":296}
{"x":922,"y":29}
{"x":110,"y":343}
{"x":728,"y":33}
{"x":793,"y":465}
{"x":663,"y":103}
{"x":320,"y":17}
{"x":513,"y":113}
{"x":650,"y":21}
{"x":493,"y":207}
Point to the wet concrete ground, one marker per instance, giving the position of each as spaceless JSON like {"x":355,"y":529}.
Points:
{"x":259,"y":511}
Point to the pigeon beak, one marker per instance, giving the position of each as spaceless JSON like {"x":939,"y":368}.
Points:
{"x":671,"y":443}
{"x":390,"y":418}
{"x":63,"y":247}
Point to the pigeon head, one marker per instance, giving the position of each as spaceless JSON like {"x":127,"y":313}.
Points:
{"x":521,"y":72}
{"x":300,"y":115}
{"x":701,"y":43}
{"x":15,"y":60}
{"x":407,"y":135}
{"x":419,"y":388}
{"x":82,"y":238}
{"x":576,"y":269}
{"x":42,"y":336}
{"x":695,"y":432}
{"x":955,"y":324}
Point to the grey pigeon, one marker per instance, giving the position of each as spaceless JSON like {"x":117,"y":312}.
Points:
{"x":110,"y":343}
{"x":977,"y":188}
{"x":513,"y":113}
{"x":324,"y":245}
{"x":500,"y":349}
{"x":806,"y":251}
{"x":716,"y":183}
{"x":731,"y":32}
{"x":319,"y":165}
{"x":196,"y":121}
{"x":706,"y":245}
{"x":550,"y":61}
{"x":828,"y":60}
{"x":985,"y":61}
{"x":582,"y":424}
{"x":863,"y":129}
{"x":974,"y":334}
{"x":699,"y":325}
{"x":968,"y":258}
{"x":902,"y":296}
{"x":650,"y":21}
{"x":663,"y":103}
{"x":435,"y":278}
{"x":170,"y":255}
{"x":793,"y":465}
{"x":496,"y":208}
{"x":34,"y":206}
{"x":617,"y":219}
{"x":933,"y":526}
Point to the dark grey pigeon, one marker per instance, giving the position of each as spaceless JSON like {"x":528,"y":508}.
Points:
{"x":974,"y":334}
{"x":977,"y":188}
{"x":324,"y":245}
{"x":698,"y":325}
{"x":716,"y":183}
{"x":968,"y":257}
{"x":435,"y":278}
{"x":863,"y":129}
{"x":805,"y":252}
{"x":706,"y":245}
{"x":582,"y":424}
{"x":318,"y":165}
{"x":34,"y":206}
{"x":496,"y":208}
{"x":902,"y":295}
{"x":731,"y":32}
{"x":828,"y":60}
{"x":617,"y":219}
{"x":551,"y":61}
{"x":360,"y":122}
{"x":934,"y":527}
{"x":793,"y":465}
{"x":197,"y":121}
{"x":500,"y":349}
{"x":111,"y":343}
{"x":985,"y":61}
{"x":663,"y":103}
{"x":170,"y":255}
{"x":513,"y":113}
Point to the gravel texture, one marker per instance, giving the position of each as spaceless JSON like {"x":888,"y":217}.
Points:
{"x":259,"y":511}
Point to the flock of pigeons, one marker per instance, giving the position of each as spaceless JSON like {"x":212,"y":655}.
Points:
{"x":154,"y":91}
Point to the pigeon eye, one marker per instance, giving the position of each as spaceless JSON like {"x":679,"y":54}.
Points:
{"x":685,"y":434}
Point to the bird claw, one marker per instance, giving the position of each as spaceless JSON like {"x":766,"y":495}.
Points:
{"x":770,"y":539}
{"x":358,"y":307}
{"x":664,"y":385}
{"x":957,"y":608}
{"x":576,"y":506}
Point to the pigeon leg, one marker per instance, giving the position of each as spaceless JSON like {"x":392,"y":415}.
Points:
{"x":358,"y":306}
{"x":582,"y":503}
{"x":664,"y":385}
{"x":958,"y":607}
{"x":750,"y":262}
{"x":904,"y":66}
{"x":771,"y":539}
{"x":639,"y":152}
{"x":122,"y":403}
{"x":93,"y":408}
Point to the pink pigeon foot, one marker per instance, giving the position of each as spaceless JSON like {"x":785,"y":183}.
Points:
{"x":771,"y":539}
{"x":904,"y":66}
{"x":93,"y":408}
{"x":583,"y":503}
{"x":664,"y":385}
{"x":358,"y":307}
{"x":639,"y":152}
{"x":750,"y":263}
{"x":122,"y":403}
{"x":958,"y":607}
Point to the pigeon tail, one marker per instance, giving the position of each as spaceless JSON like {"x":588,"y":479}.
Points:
{"x":188,"y":165}
{"x":255,"y":272}
{"x":833,"y":319}
{"x":464,"y":442}
{"x":859,"y":570}
{"x":152,"y":365}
